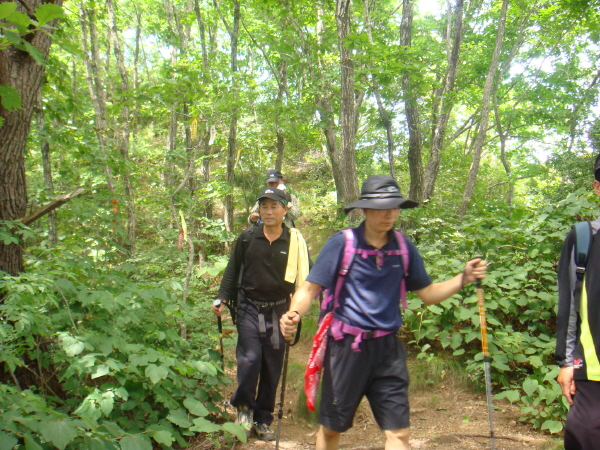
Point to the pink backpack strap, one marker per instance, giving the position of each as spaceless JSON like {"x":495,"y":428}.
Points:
{"x":349,"y":251}
{"x":345,"y":265}
{"x":339,"y":328}
{"x":404,"y":253}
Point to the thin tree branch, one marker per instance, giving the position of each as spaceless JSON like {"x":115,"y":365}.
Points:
{"x":227,"y":27}
{"x":30,"y":11}
{"x":267,"y":59}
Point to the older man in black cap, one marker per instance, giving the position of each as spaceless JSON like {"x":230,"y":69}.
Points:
{"x":267,"y":263}
{"x":275,"y":180}
{"x":366,"y":271}
{"x":578,"y":330}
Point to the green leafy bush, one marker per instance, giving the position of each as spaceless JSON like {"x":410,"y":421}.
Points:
{"x":522,"y":246}
{"x":106,"y":363}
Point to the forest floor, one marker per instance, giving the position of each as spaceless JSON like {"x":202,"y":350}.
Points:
{"x":443,"y":417}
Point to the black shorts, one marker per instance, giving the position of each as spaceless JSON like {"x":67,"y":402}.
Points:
{"x":377,"y":371}
{"x":582,"y":431}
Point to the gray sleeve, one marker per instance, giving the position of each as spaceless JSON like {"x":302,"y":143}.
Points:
{"x":252,"y":211}
{"x":294,"y":211}
{"x":572,"y":329}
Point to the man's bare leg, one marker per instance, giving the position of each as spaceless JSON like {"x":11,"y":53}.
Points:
{"x":395,"y":439}
{"x":328,"y":439}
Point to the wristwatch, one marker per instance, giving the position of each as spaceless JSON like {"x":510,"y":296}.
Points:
{"x":217,"y":303}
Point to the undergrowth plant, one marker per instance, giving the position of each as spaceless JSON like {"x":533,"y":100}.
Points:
{"x":522,"y":246}
{"x":93,"y":358}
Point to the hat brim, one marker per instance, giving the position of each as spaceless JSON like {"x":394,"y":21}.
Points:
{"x":381,"y":203}
{"x":272,"y":179}
{"x":275,"y":197}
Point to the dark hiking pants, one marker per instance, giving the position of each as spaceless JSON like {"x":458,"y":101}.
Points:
{"x":582,"y":431}
{"x":258,"y":362}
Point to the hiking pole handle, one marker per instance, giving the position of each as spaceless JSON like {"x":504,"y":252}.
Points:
{"x":298,"y":329}
{"x":217,"y":304}
{"x":482,"y":321}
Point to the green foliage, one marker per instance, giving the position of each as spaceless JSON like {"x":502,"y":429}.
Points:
{"x":9,"y":97}
{"x":522,"y":246}
{"x":112,"y":369}
{"x":431,"y":371}
{"x":107,"y":323}
{"x":16,"y":24}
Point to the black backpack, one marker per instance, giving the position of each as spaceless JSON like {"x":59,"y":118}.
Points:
{"x":583,"y":244}
{"x":584,"y":236}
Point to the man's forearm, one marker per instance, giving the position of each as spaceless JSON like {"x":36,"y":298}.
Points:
{"x":303,"y":297}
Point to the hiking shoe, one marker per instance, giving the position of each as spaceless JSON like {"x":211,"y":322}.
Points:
{"x":244,"y":419}
{"x":263,"y":432}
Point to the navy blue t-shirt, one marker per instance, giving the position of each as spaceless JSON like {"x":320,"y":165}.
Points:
{"x":370,"y":298}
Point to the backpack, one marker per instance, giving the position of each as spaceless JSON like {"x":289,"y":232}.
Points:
{"x":331,"y":300}
{"x":584,"y":236}
{"x":583,"y":244}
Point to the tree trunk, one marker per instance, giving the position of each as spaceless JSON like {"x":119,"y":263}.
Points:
{"x":503,"y":132}
{"x":343,"y":166}
{"x":232,"y":140}
{"x":124,"y":141}
{"x":19,"y":70}
{"x":485,"y":112}
{"x":87,"y":19}
{"x":415,"y":136}
{"x":345,"y":157}
{"x":503,"y":136}
{"x":186,"y":176}
{"x":444,"y":102}
{"x":47,"y":167}
{"x":280,"y":142}
{"x":169,"y":167}
{"x":136,"y":82}
{"x":207,"y":149}
{"x":189,"y":148}
{"x":384,"y":115}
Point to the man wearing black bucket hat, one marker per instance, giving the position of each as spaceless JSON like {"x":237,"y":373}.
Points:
{"x":275,"y":180}
{"x":363,"y":355}
{"x":266,"y":265}
{"x":578,"y":330}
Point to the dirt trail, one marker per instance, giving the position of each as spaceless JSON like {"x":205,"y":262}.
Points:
{"x":442,"y":418}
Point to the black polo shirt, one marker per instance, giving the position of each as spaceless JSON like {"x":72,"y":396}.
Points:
{"x":264,"y":267}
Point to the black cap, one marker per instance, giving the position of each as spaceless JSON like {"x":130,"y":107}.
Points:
{"x":597,"y":168}
{"x":274,"y":175}
{"x":274,"y":194}
{"x":380,"y":192}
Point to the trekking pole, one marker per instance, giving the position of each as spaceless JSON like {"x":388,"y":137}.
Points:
{"x":217,"y":303}
{"x":486,"y":361}
{"x":283,"y":382}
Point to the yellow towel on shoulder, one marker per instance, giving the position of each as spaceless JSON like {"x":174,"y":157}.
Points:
{"x":297,"y":265}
